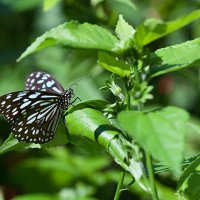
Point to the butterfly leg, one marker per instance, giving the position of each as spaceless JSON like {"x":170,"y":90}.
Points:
{"x":77,"y":98}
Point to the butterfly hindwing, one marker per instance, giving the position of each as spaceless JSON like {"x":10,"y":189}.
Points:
{"x":39,"y":127}
{"x":43,"y":81}
{"x":34,"y":115}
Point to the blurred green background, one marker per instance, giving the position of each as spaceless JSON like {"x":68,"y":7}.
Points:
{"x":67,"y":172}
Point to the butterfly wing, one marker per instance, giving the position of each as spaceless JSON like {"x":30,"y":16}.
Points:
{"x":44,"y":82}
{"x":34,"y":115}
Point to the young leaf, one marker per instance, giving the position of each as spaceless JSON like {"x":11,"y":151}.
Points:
{"x":74,"y":35}
{"x":125,"y":33}
{"x":176,"y":57}
{"x":161,"y":133}
{"x":153,"y":29}
{"x":113,"y":64}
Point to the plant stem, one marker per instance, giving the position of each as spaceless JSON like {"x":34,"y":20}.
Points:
{"x":119,"y":185}
{"x":128,"y":103}
{"x":151,"y":176}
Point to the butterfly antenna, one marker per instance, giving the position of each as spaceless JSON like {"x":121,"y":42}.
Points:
{"x":76,"y":83}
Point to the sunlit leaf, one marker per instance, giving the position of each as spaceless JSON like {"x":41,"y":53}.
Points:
{"x":125,"y":33}
{"x":91,"y":130}
{"x":74,"y":35}
{"x":176,"y":57}
{"x":153,"y":29}
{"x":160,"y":132}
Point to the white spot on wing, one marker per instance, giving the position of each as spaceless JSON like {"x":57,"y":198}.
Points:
{"x":8,"y":96}
{"x":56,"y":89}
{"x":31,"y":121}
{"x":44,"y":78}
{"x":21,"y":94}
{"x":38,"y":75}
{"x":15,"y":113}
{"x":33,"y":96}
{"x":40,"y":81}
{"x":16,"y":99}
{"x":25,"y":104}
{"x":50,"y":83}
{"x":25,"y":100}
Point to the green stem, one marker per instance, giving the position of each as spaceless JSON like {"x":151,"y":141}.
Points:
{"x":151,"y":176}
{"x":119,"y":185}
{"x":128,"y":102}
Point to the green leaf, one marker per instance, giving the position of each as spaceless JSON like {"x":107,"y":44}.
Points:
{"x":48,"y":4}
{"x":12,"y":143}
{"x":113,"y":64}
{"x":97,"y":104}
{"x":160,"y":132}
{"x":74,"y":35}
{"x":188,"y":183}
{"x":125,"y":33}
{"x":88,"y":124}
{"x":91,"y":130}
{"x":176,"y":57}
{"x":153,"y":29}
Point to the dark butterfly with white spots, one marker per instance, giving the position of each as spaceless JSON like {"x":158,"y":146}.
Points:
{"x":34,"y":114}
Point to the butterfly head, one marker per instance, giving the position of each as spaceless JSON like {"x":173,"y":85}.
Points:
{"x":66,"y":97}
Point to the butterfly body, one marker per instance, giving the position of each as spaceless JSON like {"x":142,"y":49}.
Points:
{"x":35,"y":113}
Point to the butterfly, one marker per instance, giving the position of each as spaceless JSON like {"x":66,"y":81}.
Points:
{"x":35,"y":113}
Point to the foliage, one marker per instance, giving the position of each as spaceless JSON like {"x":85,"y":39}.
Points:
{"x":140,"y":126}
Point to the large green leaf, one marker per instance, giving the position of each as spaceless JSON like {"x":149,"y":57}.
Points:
{"x":189,"y":181}
{"x":89,"y":125}
{"x":153,"y":29}
{"x":91,"y":130}
{"x":175,"y":57}
{"x":74,"y":35}
{"x":160,"y":132}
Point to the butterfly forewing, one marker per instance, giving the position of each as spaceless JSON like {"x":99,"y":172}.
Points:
{"x":34,"y":115}
{"x":43,"y":81}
